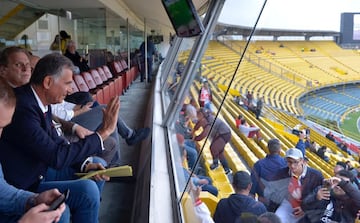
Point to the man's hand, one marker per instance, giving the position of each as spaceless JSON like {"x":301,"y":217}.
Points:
{"x":39,"y":214}
{"x":82,"y":132}
{"x":110,"y":117}
{"x":323,"y":194}
{"x":79,"y":109}
{"x":47,"y":197}
{"x":94,"y":167}
{"x":298,"y":212}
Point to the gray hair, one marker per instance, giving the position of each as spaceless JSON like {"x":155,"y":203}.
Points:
{"x":50,"y":65}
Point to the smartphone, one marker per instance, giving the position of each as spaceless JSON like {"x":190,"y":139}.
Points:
{"x":327,"y":185}
{"x":58,"y":201}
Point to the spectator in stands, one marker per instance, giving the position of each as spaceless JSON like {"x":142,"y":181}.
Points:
{"x":313,"y":147}
{"x":15,"y":202}
{"x":205,"y":96}
{"x":301,"y":144}
{"x":149,"y":58}
{"x":198,"y":181}
{"x":269,"y":217}
{"x":64,"y":39}
{"x":259,"y":107}
{"x":264,"y":171}
{"x":338,"y":200}
{"x":230,"y":209}
{"x":26,"y":161}
{"x":307,"y":131}
{"x":339,"y":166}
{"x":330,"y":136}
{"x":55,"y":45}
{"x":321,"y":153}
{"x":249,"y":97}
{"x":344,"y":148}
{"x":220,"y":136}
{"x":190,"y":149}
{"x":75,"y":57}
{"x":296,"y":130}
{"x":297,"y":181}
{"x":190,"y":111}
{"x":250,"y":131}
{"x":238,"y":120}
{"x":202,"y":212}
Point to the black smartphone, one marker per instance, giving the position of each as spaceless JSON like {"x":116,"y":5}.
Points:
{"x":58,"y":201}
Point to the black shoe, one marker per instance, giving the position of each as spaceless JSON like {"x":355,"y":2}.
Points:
{"x":138,"y":136}
{"x":228,"y":171}
{"x":214,"y":166}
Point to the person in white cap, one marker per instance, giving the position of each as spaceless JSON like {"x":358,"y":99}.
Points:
{"x":301,"y":180}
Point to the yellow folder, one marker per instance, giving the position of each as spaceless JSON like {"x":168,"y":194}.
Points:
{"x":120,"y":171}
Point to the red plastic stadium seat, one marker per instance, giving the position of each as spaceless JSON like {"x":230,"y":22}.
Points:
{"x":80,"y":83}
{"x":74,"y":87}
{"x":92,"y":86}
{"x":124,"y":64}
{"x":107,"y":72}
{"x":102,"y":74}
{"x":116,"y":68}
{"x":82,"y":86}
{"x":96,"y":77}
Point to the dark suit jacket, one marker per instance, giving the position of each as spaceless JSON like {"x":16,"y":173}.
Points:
{"x":30,"y":144}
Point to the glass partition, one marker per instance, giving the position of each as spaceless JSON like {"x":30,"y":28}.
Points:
{"x":203,"y":150}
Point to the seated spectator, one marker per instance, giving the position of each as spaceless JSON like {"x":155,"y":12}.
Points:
{"x":301,"y":144}
{"x":202,"y":212}
{"x":250,"y":131}
{"x":344,"y":148}
{"x":190,"y":148}
{"x":238,"y":121}
{"x":15,"y":202}
{"x":330,"y":136}
{"x":198,"y":181}
{"x":259,"y":106}
{"x":75,"y":57}
{"x":313,"y":147}
{"x":307,"y":131}
{"x":231,"y":209}
{"x":190,"y":111}
{"x":321,"y":153}
{"x":296,"y":130}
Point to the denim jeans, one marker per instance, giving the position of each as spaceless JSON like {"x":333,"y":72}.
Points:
{"x":191,"y":152}
{"x":84,"y":197}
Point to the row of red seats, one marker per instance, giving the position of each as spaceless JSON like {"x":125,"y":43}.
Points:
{"x":104,"y":84}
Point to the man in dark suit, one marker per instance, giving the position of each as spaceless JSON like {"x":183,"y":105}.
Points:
{"x":30,"y":143}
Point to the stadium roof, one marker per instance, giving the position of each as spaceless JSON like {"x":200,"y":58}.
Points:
{"x":226,"y":29}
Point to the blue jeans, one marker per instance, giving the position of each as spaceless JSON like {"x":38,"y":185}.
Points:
{"x":83,"y":201}
{"x":84,"y":197}
{"x":191,"y":152}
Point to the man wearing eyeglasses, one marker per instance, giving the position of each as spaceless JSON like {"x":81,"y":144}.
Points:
{"x":298,"y":181}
